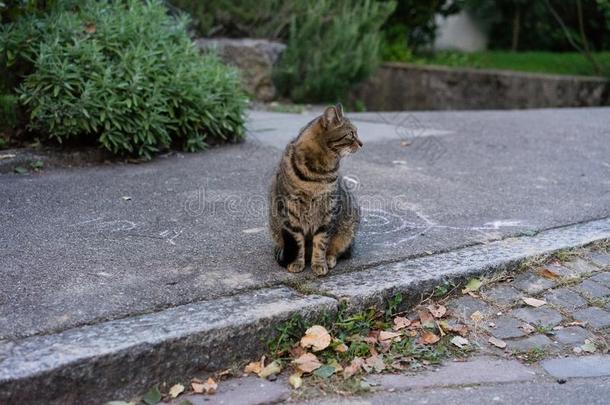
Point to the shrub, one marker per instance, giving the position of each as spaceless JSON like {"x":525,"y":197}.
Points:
{"x":241,"y":18}
{"x":331,"y":45}
{"x":123,"y":73}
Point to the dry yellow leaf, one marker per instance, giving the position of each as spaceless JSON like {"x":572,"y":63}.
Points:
{"x":295,"y":380}
{"x":437,"y":311}
{"x":270,"y":369}
{"x":176,"y":390}
{"x":476,"y":316}
{"x":383,"y":335}
{"x":400,"y":322}
{"x":208,"y":387}
{"x":353,"y":368}
{"x":253,"y":367}
{"x":316,"y":337}
{"x":307,"y":363}
{"x":533,"y":302}
{"x":428,"y":338}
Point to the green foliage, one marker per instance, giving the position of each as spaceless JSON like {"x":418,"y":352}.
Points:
{"x":9,"y":111}
{"x":413,"y":25}
{"x":530,"y":25}
{"x":124,"y":74}
{"x":330,"y":47}
{"x":241,"y":18}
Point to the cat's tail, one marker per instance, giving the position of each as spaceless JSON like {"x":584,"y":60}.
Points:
{"x":287,"y":254}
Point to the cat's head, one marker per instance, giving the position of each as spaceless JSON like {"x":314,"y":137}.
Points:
{"x":338,"y":133}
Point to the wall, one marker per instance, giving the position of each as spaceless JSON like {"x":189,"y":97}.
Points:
{"x":401,"y":86}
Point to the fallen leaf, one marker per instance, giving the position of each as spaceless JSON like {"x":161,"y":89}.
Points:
{"x":375,"y":362}
{"x":546,"y":273}
{"x":176,"y":390}
{"x":426,"y":318}
{"x":295,"y":380}
{"x":533,"y":302}
{"x":394,"y":336}
{"x":208,"y":387}
{"x":353,"y":368}
{"x":400,"y":322}
{"x":253,"y":367}
{"x":459,"y":341}
{"x":428,"y":338}
{"x":588,"y":347}
{"x":270,"y":369}
{"x":316,"y":337}
{"x":307,"y":363}
{"x":341,"y":348}
{"x":153,"y":396}
{"x":324,"y":371}
{"x":401,"y":363}
{"x":497,"y":342}
{"x":527,"y":328}
{"x":473,"y":285}
{"x":335,"y":364}
{"x":575,"y":323}
{"x":476,"y":316}
{"x":437,"y":311}
{"x":297,"y":351}
{"x":454,"y":327}
{"x":90,"y":28}
{"x":21,"y":170}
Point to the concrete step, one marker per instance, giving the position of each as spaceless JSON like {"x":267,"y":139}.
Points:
{"x":122,"y":358}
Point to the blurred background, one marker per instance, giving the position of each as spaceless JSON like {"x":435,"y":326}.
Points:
{"x":64,"y":62}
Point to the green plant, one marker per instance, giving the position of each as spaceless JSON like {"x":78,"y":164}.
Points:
{"x":330,"y":47}
{"x":124,"y":74}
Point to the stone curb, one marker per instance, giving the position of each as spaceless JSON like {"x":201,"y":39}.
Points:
{"x":120,"y":358}
{"x":416,"y":278}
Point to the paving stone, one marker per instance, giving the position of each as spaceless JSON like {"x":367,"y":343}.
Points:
{"x":572,"y":335}
{"x":249,"y":390}
{"x":565,"y":298}
{"x":479,"y":370}
{"x":506,"y":327}
{"x":532,"y":342}
{"x":544,"y":316}
{"x":531,"y":283}
{"x":580,"y":266}
{"x":600,"y":259}
{"x":596,"y":317}
{"x":592,"y":289}
{"x":573,"y":367}
{"x":561,"y":270}
{"x":503,"y":294}
{"x":602,"y":278}
{"x":465,"y":306}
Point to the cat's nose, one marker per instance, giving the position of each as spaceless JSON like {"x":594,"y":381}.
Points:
{"x":359,"y":142}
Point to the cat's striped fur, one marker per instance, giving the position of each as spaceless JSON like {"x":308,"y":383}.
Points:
{"x":313,"y":215}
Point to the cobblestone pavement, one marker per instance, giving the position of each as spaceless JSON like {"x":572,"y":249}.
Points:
{"x":553,"y":350}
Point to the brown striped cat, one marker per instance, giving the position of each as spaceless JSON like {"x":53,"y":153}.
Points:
{"x":313,"y":216}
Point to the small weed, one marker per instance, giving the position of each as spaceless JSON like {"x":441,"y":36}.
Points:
{"x":393,"y":305}
{"x":533,"y":355}
{"x":3,"y":143}
{"x":599,"y":302}
{"x":37,"y":165}
{"x":544,"y":329}
{"x":443,"y":289}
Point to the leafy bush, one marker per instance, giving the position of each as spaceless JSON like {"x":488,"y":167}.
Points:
{"x":123,"y":73}
{"x":241,"y":18}
{"x":330,"y":47}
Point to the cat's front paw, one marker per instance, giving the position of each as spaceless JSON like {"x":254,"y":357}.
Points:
{"x":319,"y":269}
{"x":331,"y":261}
{"x":296,"y":266}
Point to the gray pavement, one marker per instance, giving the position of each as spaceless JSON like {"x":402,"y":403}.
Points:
{"x":83,"y":245}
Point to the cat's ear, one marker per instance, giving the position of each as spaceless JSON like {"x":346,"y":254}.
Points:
{"x":331,"y":118}
{"x":339,"y":109}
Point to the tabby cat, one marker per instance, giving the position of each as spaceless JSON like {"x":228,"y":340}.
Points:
{"x":313,"y":215}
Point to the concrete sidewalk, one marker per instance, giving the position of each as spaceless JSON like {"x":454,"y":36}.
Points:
{"x":84,"y":245}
